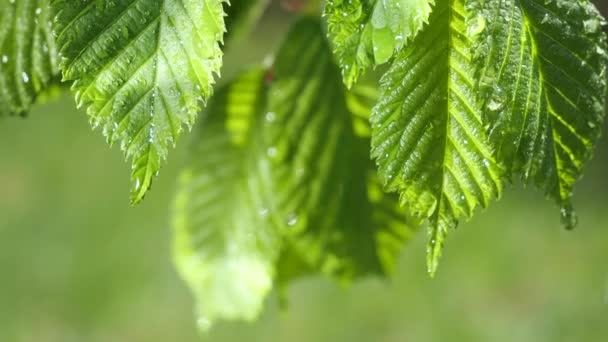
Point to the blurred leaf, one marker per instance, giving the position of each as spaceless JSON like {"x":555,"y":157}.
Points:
{"x":28,"y":56}
{"x":542,"y":70}
{"x":223,"y":247}
{"x":141,"y":68}
{"x":241,"y":17}
{"x":369,"y":32}
{"x":280,"y":186}
{"x":427,"y":135}
{"x":319,"y":180}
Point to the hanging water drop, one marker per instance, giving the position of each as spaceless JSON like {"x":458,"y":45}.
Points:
{"x":569,"y":218}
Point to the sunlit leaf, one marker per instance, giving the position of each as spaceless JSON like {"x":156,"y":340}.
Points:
{"x":427,"y":134}
{"x":142,"y":68}
{"x":368,"y":32}
{"x":542,"y":71}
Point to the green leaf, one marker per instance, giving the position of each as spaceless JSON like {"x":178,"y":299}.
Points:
{"x":141,"y":67}
{"x":427,"y":134}
{"x":280,"y":186}
{"x":224,"y":248}
{"x":28,"y":56}
{"x":368,"y":32}
{"x":542,"y":71}
{"x":318,"y":179}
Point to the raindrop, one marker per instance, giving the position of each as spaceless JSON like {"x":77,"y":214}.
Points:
{"x":4,"y":59}
{"x":25,"y":77}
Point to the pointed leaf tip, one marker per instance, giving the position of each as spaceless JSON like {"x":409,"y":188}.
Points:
{"x":142,"y":70}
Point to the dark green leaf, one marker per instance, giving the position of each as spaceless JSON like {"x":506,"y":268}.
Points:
{"x":542,"y":70}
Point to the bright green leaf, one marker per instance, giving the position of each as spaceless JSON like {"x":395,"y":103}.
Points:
{"x":28,"y":57}
{"x":368,"y":32}
{"x":542,"y":71}
{"x":427,"y":134}
{"x":224,"y":248}
{"x":141,"y":67}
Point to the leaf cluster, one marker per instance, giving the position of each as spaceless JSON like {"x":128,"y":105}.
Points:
{"x":305,"y":166}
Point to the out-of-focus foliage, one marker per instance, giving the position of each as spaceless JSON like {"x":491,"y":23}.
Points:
{"x":28,"y":56}
{"x":281,"y":170}
{"x":241,"y":16}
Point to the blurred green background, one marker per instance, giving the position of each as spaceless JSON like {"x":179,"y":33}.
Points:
{"x":77,"y":263}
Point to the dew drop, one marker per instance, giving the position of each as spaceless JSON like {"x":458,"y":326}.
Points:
{"x":25,"y":77}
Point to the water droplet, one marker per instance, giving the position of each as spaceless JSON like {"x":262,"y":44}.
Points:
{"x":270,"y":117}
{"x":272,"y":152}
{"x":292,"y":220}
{"x":569,"y":218}
{"x":25,"y":77}
{"x":263,"y":212}
{"x":477,"y":26}
{"x":4,"y":59}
